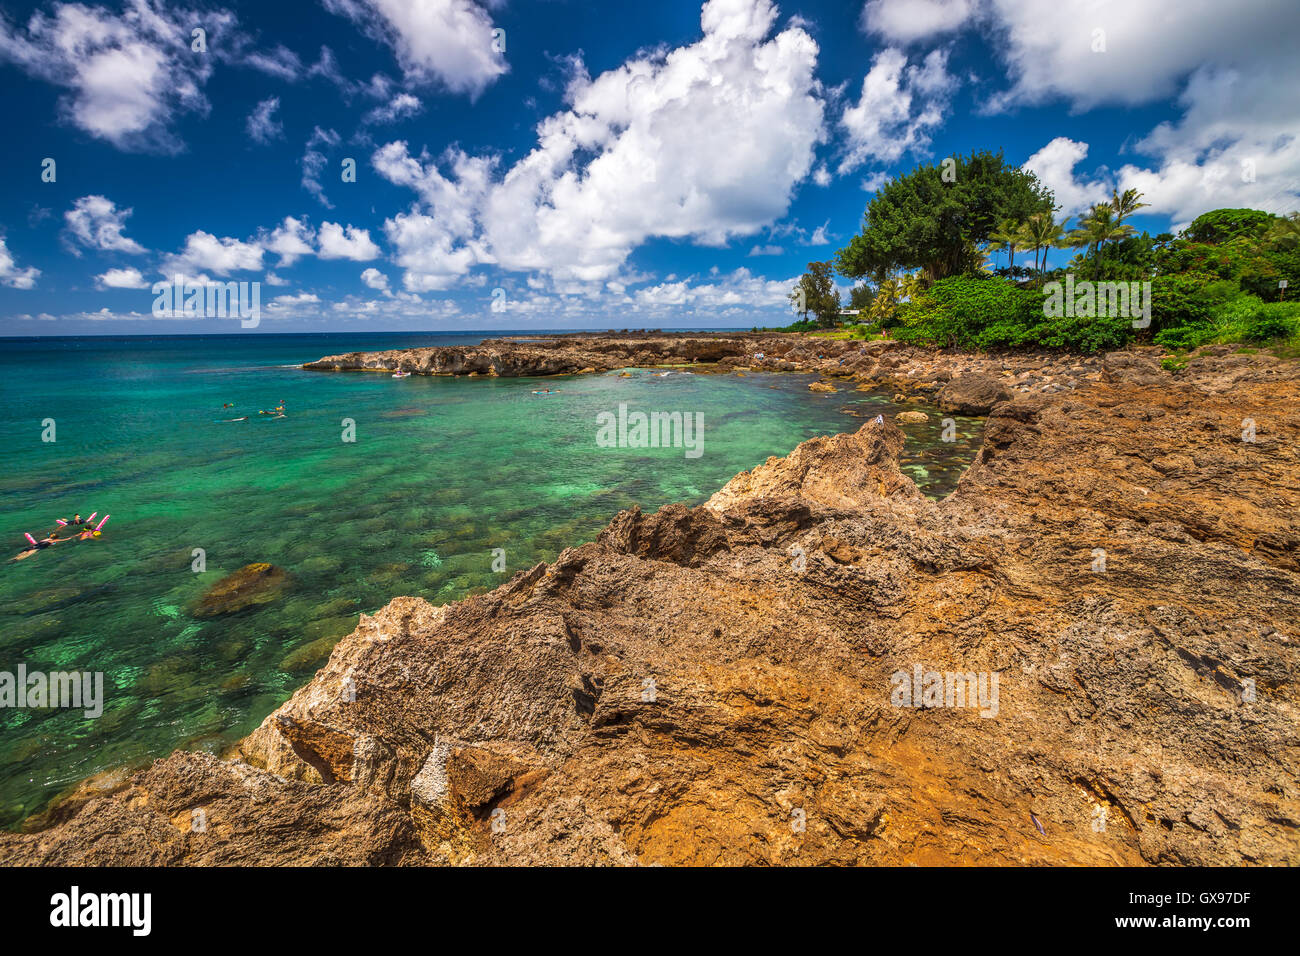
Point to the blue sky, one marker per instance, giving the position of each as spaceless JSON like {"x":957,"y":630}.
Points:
{"x":582,"y":164}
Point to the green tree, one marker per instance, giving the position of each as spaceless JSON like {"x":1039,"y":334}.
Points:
{"x":1284,"y":233}
{"x":890,"y":295}
{"x":1097,"y":228}
{"x":816,"y":293}
{"x":1041,"y":231}
{"x":1220,"y":225}
{"x":1008,"y":236}
{"x":924,"y":220}
{"x":1126,"y":203}
{"x":860,"y":297}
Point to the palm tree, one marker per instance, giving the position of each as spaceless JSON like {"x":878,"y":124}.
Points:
{"x":1042,"y":231}
{"x":1007,"y":236}
{"x":1076,"y":238}
{"x":1098,"y":227}
{"x":1126,"y":203}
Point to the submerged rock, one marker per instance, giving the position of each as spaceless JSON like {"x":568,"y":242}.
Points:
{"x":251,"y":585}
{"x":308,"y":654}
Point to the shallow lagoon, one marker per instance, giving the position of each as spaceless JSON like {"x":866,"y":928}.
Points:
{"x":442,"y":472}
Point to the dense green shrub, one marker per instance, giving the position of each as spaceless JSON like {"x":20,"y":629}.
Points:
{"x":1217,"y":282}
{"x":1084,"y":333}
{"x":1180,"y":300}
{"x":802,"y":325}
{"x":985,"y":313}
{"x":1272,"y":320}
{"x":1238,"y":317}
{"x":1256,"y":267}
{"x":961,"y":311}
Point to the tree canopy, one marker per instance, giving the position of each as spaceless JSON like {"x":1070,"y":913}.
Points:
{"x":816,"y":293}
{"x":1219,"y":225}
{"x":935,"y":217}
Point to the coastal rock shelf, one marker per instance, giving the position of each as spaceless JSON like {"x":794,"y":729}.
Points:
{"x":720,"y":684}
{"x":561,"y":355}
{"x":876,"y":364}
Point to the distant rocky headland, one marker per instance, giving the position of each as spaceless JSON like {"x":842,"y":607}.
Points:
{"x":1089,"y":653}
{"x":881,"y":363}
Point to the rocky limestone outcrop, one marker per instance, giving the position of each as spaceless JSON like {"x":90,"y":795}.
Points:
{"x":971,"y":394}
{"x":874,"y":365}
{"x":718,"y":685}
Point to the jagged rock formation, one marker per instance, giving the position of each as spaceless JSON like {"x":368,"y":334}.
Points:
{"x":971,"y":395}
{"x":716,"y":684}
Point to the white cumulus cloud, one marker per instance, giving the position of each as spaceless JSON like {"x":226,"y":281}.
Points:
{"x":204,"y":252}
{"x":375,"y":279}
{"x":11,"y":275}
{"x":899,"y":106}
{"x":705,"y":142}
{"x":1054,"y":165}
{"x":121,"y":279}
{"x":97,"y":223}
{"x":443,"y":42}
{"x":128,"y":74}
{"x":908,"y":21}
{"x":345,"y":242}
{"x":291,"y":240}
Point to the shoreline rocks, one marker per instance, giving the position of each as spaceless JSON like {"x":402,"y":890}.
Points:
{"x":879,"y":364}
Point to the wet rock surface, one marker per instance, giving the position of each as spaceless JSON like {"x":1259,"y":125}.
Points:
{"x":716,"y":685}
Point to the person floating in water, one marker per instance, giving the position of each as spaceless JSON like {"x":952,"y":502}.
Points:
{"x":76,"y":519}
{"x":34,"y":545}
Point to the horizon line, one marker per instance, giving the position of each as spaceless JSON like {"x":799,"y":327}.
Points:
{"x":248,"y":334}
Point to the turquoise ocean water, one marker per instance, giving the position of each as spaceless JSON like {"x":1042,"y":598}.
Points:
{"x":442,"y":472}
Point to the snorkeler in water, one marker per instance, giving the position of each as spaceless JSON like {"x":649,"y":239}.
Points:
{"x":34,"y":545}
